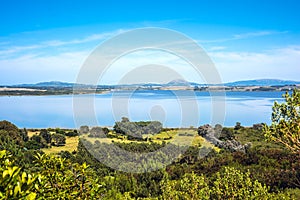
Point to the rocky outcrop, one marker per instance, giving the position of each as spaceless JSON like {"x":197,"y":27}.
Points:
{"x":211,"y":134}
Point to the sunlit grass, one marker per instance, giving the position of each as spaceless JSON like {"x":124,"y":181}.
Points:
{"x":177,"y":137}
{"x":71,"y":145}
{"x":31,"y":133}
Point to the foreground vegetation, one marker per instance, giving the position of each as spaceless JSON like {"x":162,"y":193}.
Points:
{"x":268,"y":169}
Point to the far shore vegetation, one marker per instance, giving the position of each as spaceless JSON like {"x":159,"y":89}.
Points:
{"x":62,"y":88}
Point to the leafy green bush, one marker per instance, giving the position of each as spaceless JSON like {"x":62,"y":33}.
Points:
{"x":190,"y":187}
{"x":15,"y":183}
{"x":285,"y":128}
{"x":229,"y":183}
{"x":58,"y":139}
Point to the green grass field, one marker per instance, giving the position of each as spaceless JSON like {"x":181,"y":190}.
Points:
{"x":178,"y":137}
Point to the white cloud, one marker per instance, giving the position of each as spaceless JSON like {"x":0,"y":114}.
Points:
{"x":26,"y":65}
{"x":243,"y":36}
{"x":257,"y":34}
{"x":11,"y":50}
{"x":278,"y":63}
{"x":32,"y":68}
{"x":15,"y":49}
{"x":216,"y":48}
{"x":149,"y":66}
{"x":90,"y":38}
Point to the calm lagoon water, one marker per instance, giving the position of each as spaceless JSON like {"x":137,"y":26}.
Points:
{"x":165,"y":106}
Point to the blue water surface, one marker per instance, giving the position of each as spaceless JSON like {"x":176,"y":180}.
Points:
{"x":169,"y":107}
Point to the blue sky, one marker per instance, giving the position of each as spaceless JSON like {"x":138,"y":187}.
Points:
{"x":49,"y":40}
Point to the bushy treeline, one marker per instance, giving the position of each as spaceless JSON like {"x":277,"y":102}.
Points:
{"x":131,"y":130}
{"x":43,"y":138}
{"x":137,"y":129}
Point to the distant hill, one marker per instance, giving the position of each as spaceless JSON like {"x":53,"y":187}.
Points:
{"x":263,"y":82}
{"x":180,"y":82}
{"x":255,"y":82}
{"x":47,"y":84}
{"x":54,"y":84}
{"x":177,"y":82}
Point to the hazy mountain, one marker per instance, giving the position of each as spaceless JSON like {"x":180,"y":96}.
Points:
{"x":263,"y":82}
{"x":55,"y":84}
{"x":180,"y":82}
{"x":48,"y":84}
{"x":177,"y":82}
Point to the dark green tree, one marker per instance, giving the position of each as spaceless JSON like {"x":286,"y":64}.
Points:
{"x":36,"y":138}
{"x":58,"y":139}
{"x":12,"y":131}
{"x":45,"y":135}
{"x":237,"y":126}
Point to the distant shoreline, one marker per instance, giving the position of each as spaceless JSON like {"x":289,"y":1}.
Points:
{"x":65,"y":88}
{"x":50,"y":91}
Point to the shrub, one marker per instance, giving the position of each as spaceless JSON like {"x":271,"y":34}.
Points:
{"x":285,"y":128}
{"x":58,"y":139}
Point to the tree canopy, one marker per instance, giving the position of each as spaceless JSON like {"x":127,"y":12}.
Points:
{"x":285,"y":127}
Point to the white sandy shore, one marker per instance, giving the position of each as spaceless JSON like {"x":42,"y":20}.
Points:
{"x":20,"y":89}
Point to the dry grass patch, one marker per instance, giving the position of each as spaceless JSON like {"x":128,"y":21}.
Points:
{"x":71,"y":145}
